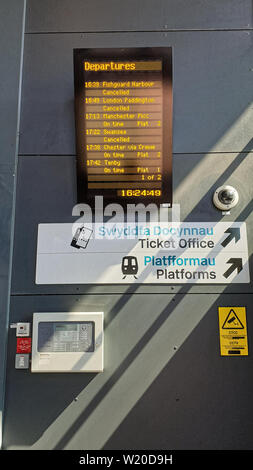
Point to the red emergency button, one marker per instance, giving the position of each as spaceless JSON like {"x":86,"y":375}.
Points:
{"x":24,"y":345}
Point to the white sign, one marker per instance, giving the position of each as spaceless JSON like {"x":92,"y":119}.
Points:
{"x":153,"y":253}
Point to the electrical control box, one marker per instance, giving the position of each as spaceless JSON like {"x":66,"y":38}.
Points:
{"x":67,"y":342}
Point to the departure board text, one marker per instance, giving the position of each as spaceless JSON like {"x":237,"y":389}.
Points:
{"x":122,"y":120}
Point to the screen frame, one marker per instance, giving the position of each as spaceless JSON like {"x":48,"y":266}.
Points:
{"x":163,"y":53}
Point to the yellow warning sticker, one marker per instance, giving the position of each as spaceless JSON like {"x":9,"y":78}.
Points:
{"x":233,"y":331}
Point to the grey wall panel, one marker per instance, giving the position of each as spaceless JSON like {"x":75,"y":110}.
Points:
{"x":212,"y":89}
{"x":6,"y":201}
{"x":11,"y":24}
{"x":4,"y":310}
{"x":11,"y":34}
{"x":199,"y":400}
{"x":118,"y":15}
{"x":46,"y":194}
{"x":164,"y":386}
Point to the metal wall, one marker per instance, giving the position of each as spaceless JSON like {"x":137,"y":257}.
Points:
{"x":11,"y":43}
{"x":165,"y":384}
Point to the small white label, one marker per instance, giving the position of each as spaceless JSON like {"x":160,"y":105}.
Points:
{"x":22,"y":361}
{"x":23,"y":329}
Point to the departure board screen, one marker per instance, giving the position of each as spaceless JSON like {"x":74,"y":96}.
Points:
{"x":123,"y":110}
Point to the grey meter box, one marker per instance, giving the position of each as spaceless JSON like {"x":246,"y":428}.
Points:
{"x":67,"y":342}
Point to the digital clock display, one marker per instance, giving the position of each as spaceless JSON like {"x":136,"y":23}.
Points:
{"x":123,"y":109}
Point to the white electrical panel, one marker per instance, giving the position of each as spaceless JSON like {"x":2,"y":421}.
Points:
{"x":67,"y":342}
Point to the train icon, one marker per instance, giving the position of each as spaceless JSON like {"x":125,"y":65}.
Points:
{"x":129,"y":266}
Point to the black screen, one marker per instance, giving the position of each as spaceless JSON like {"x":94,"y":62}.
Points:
{"x":123,"y":109}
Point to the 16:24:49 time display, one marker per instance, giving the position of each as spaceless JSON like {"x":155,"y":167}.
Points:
{"x":139,"y":192}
